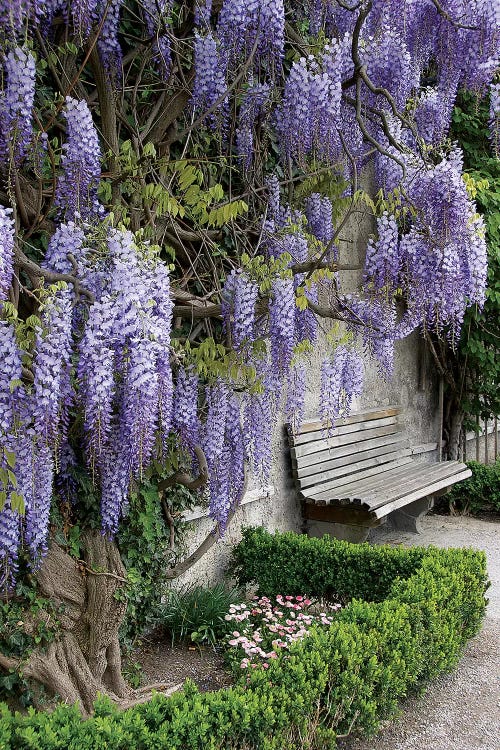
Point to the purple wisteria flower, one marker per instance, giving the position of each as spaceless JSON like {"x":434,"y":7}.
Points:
{"x":213,"y":430}
{"x":13,"y":16}
{"x":10,"y":536}
{"x":341,"y":381}
{"x":185,"y":415}
{"x":246,"y":26}
{"x":157,"y":16}
{"x":7,"y":231}
{"x":108,"y":45}
{"x":282,"y":327}
{"x":239,"y":298}
{"x":67,"y":240}
{"x":210,"y":85}
{"x":296,"y":393}
{"x":319,"y":217}
{"x":383,"y":259}
{"x":495,"y":118}
{"x":309,"y":114}
{"x":11,"y":371}
{"x":202,"y":13}
{"x":259,"y":422}
{"x":37,"y":493}
{"x":76,"y":194}
{"x":53,"y":349}
{"x":83,"y":15}
{"x":16,"y":104}
{"x":253,"y":105}
{"x":234,"y":440}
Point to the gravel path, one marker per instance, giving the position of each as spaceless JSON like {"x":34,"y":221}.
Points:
{"x":461,"y":710}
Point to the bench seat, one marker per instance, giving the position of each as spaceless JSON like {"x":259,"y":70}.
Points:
{"x":364,"y":471}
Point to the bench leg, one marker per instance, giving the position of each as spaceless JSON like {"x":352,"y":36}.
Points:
{"x":345,"y":531}
{"x":408,"y":518}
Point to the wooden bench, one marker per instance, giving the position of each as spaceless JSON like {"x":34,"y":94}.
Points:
{"x":351,"y":481}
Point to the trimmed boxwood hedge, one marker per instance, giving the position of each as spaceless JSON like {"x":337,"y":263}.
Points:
{"x":409,"y":615}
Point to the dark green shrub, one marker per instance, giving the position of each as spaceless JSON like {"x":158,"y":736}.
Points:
{"x":197,"y":613}
{"x":296,"y":564}
{"x":478,"y":493}
{"x":348,"y":676}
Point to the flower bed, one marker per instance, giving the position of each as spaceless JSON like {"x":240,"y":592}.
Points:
{"x":420,"y":606}
{"x":266,"y":629}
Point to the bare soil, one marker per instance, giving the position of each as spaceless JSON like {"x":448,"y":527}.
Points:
{"x":162,"y":662}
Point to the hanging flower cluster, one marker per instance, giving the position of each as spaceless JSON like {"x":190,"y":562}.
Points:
{"x":7,"y":229}
{"x":341,"y":381}
{"x":16,"y":104}
{"x":76,"y":195}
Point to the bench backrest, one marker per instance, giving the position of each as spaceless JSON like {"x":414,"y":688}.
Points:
{"x":359,"y":444}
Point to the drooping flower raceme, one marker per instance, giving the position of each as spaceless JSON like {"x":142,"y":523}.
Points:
{"x":282,"y":326}
{"x":185,"y":419}
{"x":495,"y":118}
{"x":157,"y":18}
{"x":246,"y":26}
{"x":110,"y":52}
{"x":253,"y":105}
{"x":53,"y":349}
{"x":383,"y":261}
{"x":16,"y":104}
{"x":210,"y":85}
{"x":7,"y":229}
{"x":239,"y":298}
{"x":76,"y":195}
{"x":341,"y":381}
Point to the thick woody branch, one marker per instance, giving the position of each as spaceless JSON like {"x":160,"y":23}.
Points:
{"x":34,"y":270}
{"x":209,"y":541}
{"x":182,"y":477}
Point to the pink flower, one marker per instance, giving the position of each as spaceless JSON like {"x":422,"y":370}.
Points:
{"x":299,"y":598}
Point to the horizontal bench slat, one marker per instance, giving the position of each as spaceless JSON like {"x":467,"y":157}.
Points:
{"x":362,"y":416}
{"x":307,"y":449}
{"x":321,"y":434}
{"x":417,"y":478}
{"x":306,"y":465}
{"x":342,"y":466}
{"x":350,"y":471}
{"x":431,"y":489}
{"x":353,"y":486}
{"x":382,"y":489}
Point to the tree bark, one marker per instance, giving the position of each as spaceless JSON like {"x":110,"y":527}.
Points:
{"x":84,"y":658}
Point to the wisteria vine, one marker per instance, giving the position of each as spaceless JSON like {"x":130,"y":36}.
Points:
{"x":338,"y":91}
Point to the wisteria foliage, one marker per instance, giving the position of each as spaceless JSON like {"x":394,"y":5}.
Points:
{"x":103,"y":359}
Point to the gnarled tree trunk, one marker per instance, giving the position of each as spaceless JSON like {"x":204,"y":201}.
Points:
{"x":84,"y":659}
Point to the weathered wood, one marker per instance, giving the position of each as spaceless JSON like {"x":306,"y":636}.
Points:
{"x":417,"y":477}
{"x":353,"y":468}
{"x":320,"y":435}
{"x":347,"y":484}
{"x":430,"y":490}
{"x":345,"y":465}
{"x":310,"y":464}
{"x":362,"y":416}
{"x":364,"y":471}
